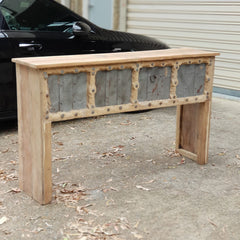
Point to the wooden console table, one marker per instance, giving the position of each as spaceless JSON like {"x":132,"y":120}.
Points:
{"x":60,"y":88}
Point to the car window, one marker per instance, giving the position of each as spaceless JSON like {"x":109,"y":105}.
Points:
{"x":1,"y":21}
{"x":37,"y":15}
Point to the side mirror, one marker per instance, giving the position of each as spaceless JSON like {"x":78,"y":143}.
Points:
{"x":81,"y":29}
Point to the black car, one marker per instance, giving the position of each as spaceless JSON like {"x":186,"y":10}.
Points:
{"x":44,"y":27}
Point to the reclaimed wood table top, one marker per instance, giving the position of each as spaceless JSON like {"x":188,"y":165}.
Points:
{"x":111,"y":58}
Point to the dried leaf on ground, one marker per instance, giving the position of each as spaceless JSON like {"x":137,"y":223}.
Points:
{"x":211,"y":222}
{"x":59,"y":159}
{"x":172,"y":153}
{"x":137,"y":224}
{"x":182,"y":161}
{"x":118,"y":148}
{"x":142,"y":188}
{"x":3,"y":220}
{"x":116,"y":152}
{"x":4,"y":151}
{"x":37,"y":230}
{"x":7,"y":177}
{"x":223,"y":153}
{"x":83,"y":209}
{"x":69,"y":193}
{"x":136,"y":235}
{"x":110,"y":189}
{"x":14,"y":190}
{"x":151,"y":161}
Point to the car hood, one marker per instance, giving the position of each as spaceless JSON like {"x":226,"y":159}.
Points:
{"x":127,"y":41}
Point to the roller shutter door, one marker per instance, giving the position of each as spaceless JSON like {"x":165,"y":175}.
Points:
{"x":210,"y":25}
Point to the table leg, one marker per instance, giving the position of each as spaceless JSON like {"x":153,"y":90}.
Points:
{"x":193,"y":126}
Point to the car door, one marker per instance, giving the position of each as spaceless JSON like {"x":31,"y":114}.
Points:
{"x":33,"y":28}
{"x":42,"y":27}
{"x":7,"y":76}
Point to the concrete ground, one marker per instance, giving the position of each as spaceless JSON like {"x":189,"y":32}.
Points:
{"x":118,"y":177}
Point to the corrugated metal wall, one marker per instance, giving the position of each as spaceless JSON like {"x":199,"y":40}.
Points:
{"x":211,"y":25}
{"x":75,"y":5}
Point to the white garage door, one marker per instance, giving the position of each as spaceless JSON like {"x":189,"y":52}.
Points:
{"x":211,"y":25}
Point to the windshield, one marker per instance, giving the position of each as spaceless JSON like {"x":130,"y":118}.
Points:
{"x":39,"y":15}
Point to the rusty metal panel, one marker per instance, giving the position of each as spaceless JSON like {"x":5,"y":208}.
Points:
{"x":124,"y":86}
{"x":154,"y":83}
{"x":53,"y":85}
{"x":79,"y":84}
{"x":191,"y":80}
{"x":113,"y":87}
{"x":67,"y":92}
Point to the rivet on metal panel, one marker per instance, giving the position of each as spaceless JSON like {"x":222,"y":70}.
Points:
{"x":92,"y":106}
{"x":149,"y":104}
{"x":93,"y":90}
{"x":176,"y":67}
{"x":62,"y":71}
{"x":47,"y":117}
{"x":93,"y":73}
{"x":120,"y":108}
{"x":209,"y":79}
{"x":109,"y":68}
{"x":137,"y":65}
{"x":76,"y":70}
{"x":174,"y":101}
{"x":153,"y":78}
{"x":176,"y":62}
{"x":196,"y":99}
{"x":189,"y":62}
{"x":93,"y":69}
{"x":160,"y":103}
{"x":163,"y":64}
{"x":136,"y":101}
{"x":152,"y":64}
{"x":186,"y":99}
{"x":62,"y":116}
{"x":76,"y":114}
{"x":136,"y":86}
{"x":136,"y":106}
{"x":108,"y":109}
{"x":199,"y":61}
{"x":122,"y":67}
{"x":93,"y":112}
{"x":47,"y":95}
